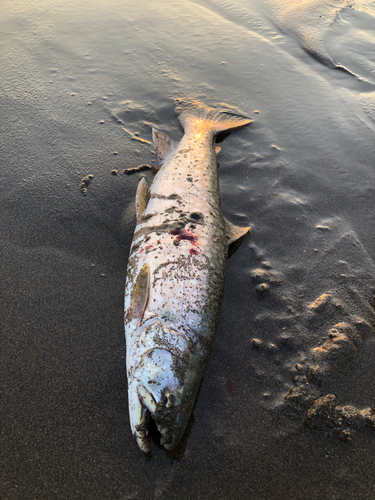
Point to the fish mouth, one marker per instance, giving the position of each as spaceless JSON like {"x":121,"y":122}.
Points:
{"x":142,"y":406}
{"x":165,"y":417}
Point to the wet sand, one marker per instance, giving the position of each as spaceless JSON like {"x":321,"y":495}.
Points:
{"x":284,"y":410}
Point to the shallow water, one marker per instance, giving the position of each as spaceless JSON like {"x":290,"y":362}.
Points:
{"x":81,"y":83}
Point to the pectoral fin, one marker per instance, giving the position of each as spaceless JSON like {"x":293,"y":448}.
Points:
{"x":164,"y":145}
{"x":235,"y":235}
{"x":141,"y":198}
{"x":140,"y":294}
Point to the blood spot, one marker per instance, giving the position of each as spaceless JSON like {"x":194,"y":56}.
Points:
{"x":182,"y":234}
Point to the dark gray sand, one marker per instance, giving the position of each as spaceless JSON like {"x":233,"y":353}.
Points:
{"x":285,"y":408}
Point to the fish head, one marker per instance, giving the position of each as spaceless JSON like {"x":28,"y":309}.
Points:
{"x":159,"y":387}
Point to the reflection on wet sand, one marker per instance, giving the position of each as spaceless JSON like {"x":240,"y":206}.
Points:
{"x":319,"y":27}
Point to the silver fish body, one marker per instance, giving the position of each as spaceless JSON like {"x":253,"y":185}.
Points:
{"x":175,"y":275}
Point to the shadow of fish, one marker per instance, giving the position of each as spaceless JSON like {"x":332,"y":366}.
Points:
{"x":175,"y":276}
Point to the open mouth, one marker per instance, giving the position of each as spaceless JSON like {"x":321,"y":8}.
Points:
{"x":143,"y":412}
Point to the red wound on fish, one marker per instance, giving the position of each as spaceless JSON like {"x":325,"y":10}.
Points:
{"x":185,"y":235}
{"x":148,"y":248}
{"x":182,"y":234}
{"x":192,"y":251}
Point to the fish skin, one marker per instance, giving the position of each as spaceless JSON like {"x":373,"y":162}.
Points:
{"x":175,"y":276}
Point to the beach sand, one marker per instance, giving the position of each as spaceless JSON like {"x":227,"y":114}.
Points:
{"x":285,"y":407}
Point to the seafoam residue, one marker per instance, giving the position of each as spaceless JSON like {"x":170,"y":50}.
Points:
{"x":351,"y":41}
{"x":310,"y":21}
{"x":339,"y":34}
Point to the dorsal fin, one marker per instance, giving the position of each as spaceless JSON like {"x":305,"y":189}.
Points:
{"x":235,"y":235}
{"x":140,"y":294}
{"x":164,"y":145}
{"x":141,"y":198}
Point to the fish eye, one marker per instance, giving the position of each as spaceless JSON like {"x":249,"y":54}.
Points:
{"x":169,"y":400}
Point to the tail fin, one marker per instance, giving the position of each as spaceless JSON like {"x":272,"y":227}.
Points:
{"x":193,"y":113}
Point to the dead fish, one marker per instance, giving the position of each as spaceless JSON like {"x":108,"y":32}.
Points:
{"x":175,"y":275}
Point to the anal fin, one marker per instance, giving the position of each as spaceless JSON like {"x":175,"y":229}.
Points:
{"x":235,"y":235}
{"x":141,"y":198}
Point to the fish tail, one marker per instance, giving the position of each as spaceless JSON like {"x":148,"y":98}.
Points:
{"x":192,"y":114}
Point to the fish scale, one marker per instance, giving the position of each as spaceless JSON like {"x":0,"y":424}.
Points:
{"x":175,"y":275}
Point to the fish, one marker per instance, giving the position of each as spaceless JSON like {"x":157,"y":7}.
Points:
{"x":175,"y":274}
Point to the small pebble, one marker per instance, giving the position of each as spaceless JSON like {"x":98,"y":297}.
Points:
{"x":346,"y":435}
{"x":101,"y":122}
{"x":257,"y":343}
{"x":272,"y":347}
{"x":115,"y":152}
{"x":259,"y":275}
{"x":266,"y":264}
{"x":262,"y":288}
{"x":114,"y":172}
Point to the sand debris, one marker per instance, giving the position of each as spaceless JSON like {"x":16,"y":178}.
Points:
{"x":333,"y":356}
{"x":262,"y":288}
{"x":327,"y":415}
{"x":84,"y":183}
{"x":302,"y":392}
{"x":141,"y":168}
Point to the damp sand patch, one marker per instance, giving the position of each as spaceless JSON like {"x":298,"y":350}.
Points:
{"x":321,"y":331}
